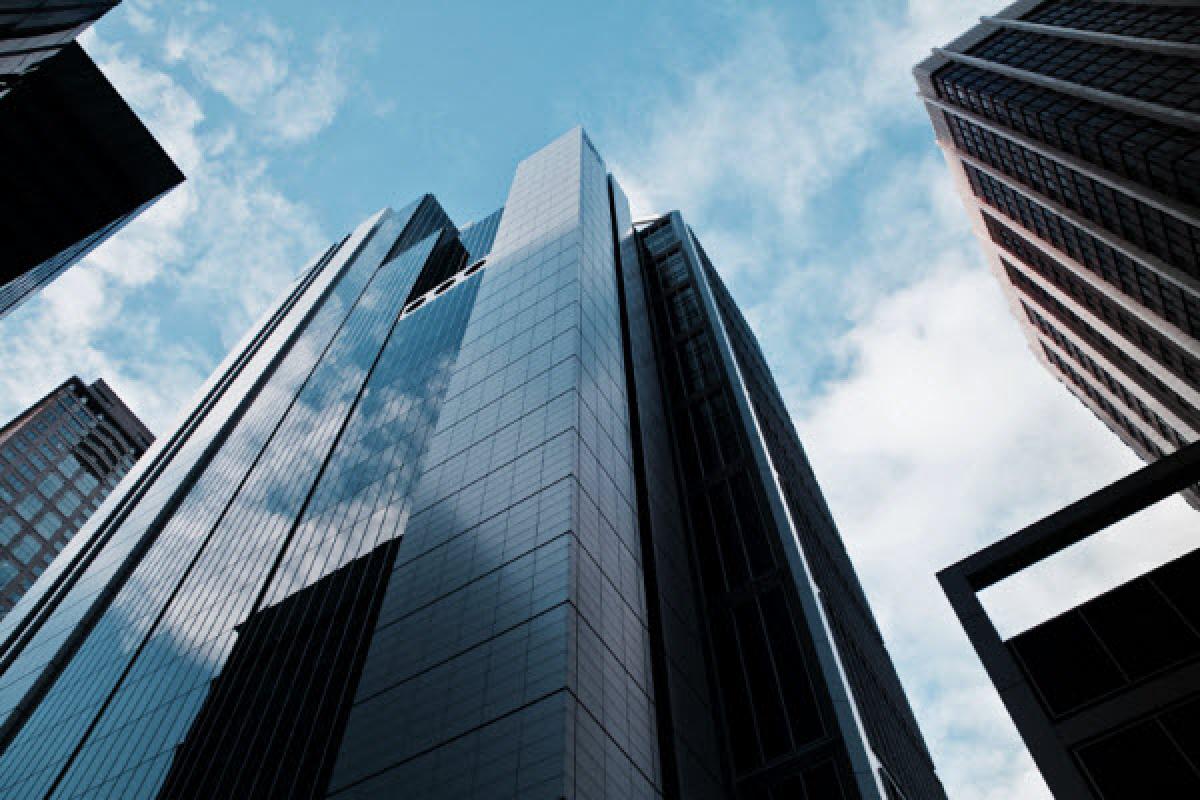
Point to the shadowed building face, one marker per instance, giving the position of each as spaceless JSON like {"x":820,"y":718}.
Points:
{"x":78,"y":163}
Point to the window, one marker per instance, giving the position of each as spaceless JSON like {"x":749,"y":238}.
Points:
{"x":29,"y":506}
{"x":7,"y":571}
{"x":26,"y":548}
{"x":49,"y":524}
{"x":660,"y":240}
{"x":699,"y":366}
{"x":68,"y":502}
{"x":673,"y":271}
{"x":86,"y":482}
{"x":9,"y":527}
{"x":68,"y":466}
{"x":684,"y":310}
{"x":50,"y":485}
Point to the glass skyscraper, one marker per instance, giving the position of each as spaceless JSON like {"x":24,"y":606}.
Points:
{"x":1072,"y":129}
{"x":59,"y":459}
{"x":514,"y":511}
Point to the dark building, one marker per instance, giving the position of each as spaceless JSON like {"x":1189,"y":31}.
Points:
{"x":1106,"y":695}
{"x":59,"y":459}
{"x":78,"y":163}
{"x":33,"y":31}
{"x":514,"y":511}
{"x":1073,"y":131}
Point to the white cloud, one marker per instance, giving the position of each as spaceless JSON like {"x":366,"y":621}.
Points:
{"x":202,"y":262}
{"x":289,"y":95}
{"x":931,"y":427}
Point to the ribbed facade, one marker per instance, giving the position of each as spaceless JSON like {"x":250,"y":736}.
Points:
{"x":511,"y":511}
{"x":59,"y":459}
{"x":1073,"y":131}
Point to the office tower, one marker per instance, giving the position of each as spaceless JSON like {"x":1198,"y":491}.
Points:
{"x":1073,"y":132}
{"x":78,"y":163}
{"x":1107,"y":694}
{"x":507,"y":511}
{"x":59,"y":459}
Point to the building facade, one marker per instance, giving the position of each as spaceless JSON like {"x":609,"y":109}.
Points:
{"x":81,"y":162}
{"x":1072,"y":129}
{"x":1107,"y":694}
{"x":514,"y":511}
{"x":59,"y":459}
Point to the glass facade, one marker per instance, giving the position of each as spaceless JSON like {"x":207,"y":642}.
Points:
{"x":429,"y":533}
{"x":59,"y":459}
{"x":1084,"y":193}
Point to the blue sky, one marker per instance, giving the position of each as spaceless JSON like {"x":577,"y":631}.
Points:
{"x":790,"y":137}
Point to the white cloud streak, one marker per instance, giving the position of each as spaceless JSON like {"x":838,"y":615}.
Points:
{"x":202,"y":262}
{"x":932,"y":428}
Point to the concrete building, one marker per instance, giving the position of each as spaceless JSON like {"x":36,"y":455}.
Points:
{"x":78,"y":163}
{"x":59,"y":459}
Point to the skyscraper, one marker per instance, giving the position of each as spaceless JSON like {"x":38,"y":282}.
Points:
{"x":33,"y":31}
{"x":78,"y":163}
{"x":59,"y":459}
{"x":507,"y":511}
{"x":1073,"y":131}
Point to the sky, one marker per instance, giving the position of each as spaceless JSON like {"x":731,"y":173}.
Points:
{"x":790,"y":137}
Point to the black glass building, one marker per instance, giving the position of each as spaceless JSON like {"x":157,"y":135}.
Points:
{"x":1072,"y":128}
{"x":33,"y":31}
{"x":77,"y":162}
{"x":507,"y":511}
{"x":59,"y":459}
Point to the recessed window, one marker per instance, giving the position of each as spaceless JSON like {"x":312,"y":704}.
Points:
{"x":28,"y":506}
{"x":26,"y":548}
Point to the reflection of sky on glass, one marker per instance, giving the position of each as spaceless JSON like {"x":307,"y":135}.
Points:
{"x":266,"y":466}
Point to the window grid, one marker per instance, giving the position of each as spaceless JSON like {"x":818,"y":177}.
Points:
{"x":1140,"y":149}
{"x":1149,"y":228}
{"x":1168,"y":24}
{"x":1159,"y":295}
{"x":1168,"y":80}
{"x":1135,"y":371}
{"x":1158,"y":346}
